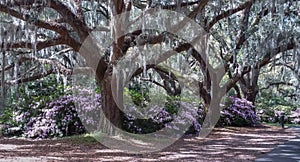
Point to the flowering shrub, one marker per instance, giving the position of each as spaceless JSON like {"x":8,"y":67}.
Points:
{"x":272,"y":114}
{"x":58,"y":117}
{"x":240,"y":112}
{"x":295,"y":116}
{"x":41,"y":112}
{"x":147,"y":125}
{"x":27,"y":101}
{"x":162,"y":118}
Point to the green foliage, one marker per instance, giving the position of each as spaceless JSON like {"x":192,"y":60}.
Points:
{"x":30,"y":98}
{"x":81,"y":139}
{"x":277,"y":124}
{"x":139,"y":93}
{"x":6,"y":117}
{"x":172,"y":104}
{"x":143,"y":96}
{"x":270,"y":106}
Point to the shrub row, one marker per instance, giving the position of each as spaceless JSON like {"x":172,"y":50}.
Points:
{"x":60,"y":117}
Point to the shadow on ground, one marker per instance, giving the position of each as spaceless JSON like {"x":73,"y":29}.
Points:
{"x":223,"y":144}
{"x":289,"y":151}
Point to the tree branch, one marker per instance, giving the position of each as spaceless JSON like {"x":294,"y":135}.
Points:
{"x":228,"y":13}
{"x":154,"y":82}
{"x":61,"y":67}
{"x":31,"y":78}
{"x":277,"y":84}
{"x":75,"y":21}
{"x":271,"y":53}
{"x":38,"y":46}
{"x":53,"y":26}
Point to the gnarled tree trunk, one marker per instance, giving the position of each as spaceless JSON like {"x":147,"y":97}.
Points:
{"x":109,"y":106}
{"x":249,"y":85}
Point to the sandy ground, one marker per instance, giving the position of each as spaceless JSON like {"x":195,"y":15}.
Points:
{"x":223,"y":144}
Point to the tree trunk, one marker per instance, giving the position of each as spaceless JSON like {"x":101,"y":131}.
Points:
{"x":3,"y":90}
{"x":111,"y":111}
{"x":249,"y":85}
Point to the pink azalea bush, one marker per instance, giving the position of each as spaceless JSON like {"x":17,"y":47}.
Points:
{"x":239,"y":112}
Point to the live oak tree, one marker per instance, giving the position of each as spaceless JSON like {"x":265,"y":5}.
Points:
{"x":257,"y":37}
{"x":47,"y":36}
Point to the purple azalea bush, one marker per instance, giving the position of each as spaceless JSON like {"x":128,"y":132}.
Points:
{"x":59,"y":117}
{"x":239,"y":112}
{"x":295,"y":116}
{"x":69,"y":115}
{"x":162,"y":118}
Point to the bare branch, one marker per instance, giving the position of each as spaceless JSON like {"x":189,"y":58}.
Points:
{"x":273,"y":52}
{"x":154,"y":82}
{"x":199,"y":8}
{"x":29,"y":79}
{"x":8,"y":67}
{"x":140,"y":5}
{"x":78,"y":8}
{"x":244,"y":27}
{"x":74,"y":20}
{"x":228,"y":13}
{"x":62,"y":52}
{"x":38,"y":46}
{"x":277,"y":84}
{"x":53,"y":26}
{"x":61,"y":67}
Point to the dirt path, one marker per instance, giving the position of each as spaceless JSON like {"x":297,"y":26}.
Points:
{"x":223,"y":144}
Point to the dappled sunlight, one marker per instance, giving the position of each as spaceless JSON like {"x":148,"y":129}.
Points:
{"x":107,"y":151}
{"x":177,"y":156}
{"x":216,"y":152}
{"x":225,"y":144}
{"x":251,"y":148}
{"x":8,"y":147}
{"x":253,"y":135}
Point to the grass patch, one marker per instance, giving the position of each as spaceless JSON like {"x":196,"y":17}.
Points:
{"x":80,"y":139}
{"x":278,"y":124}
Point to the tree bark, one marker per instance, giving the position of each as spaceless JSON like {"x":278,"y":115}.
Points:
{"x":3,"y":90}
{"x":249,"y":85}
{"x":109,"y":105}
